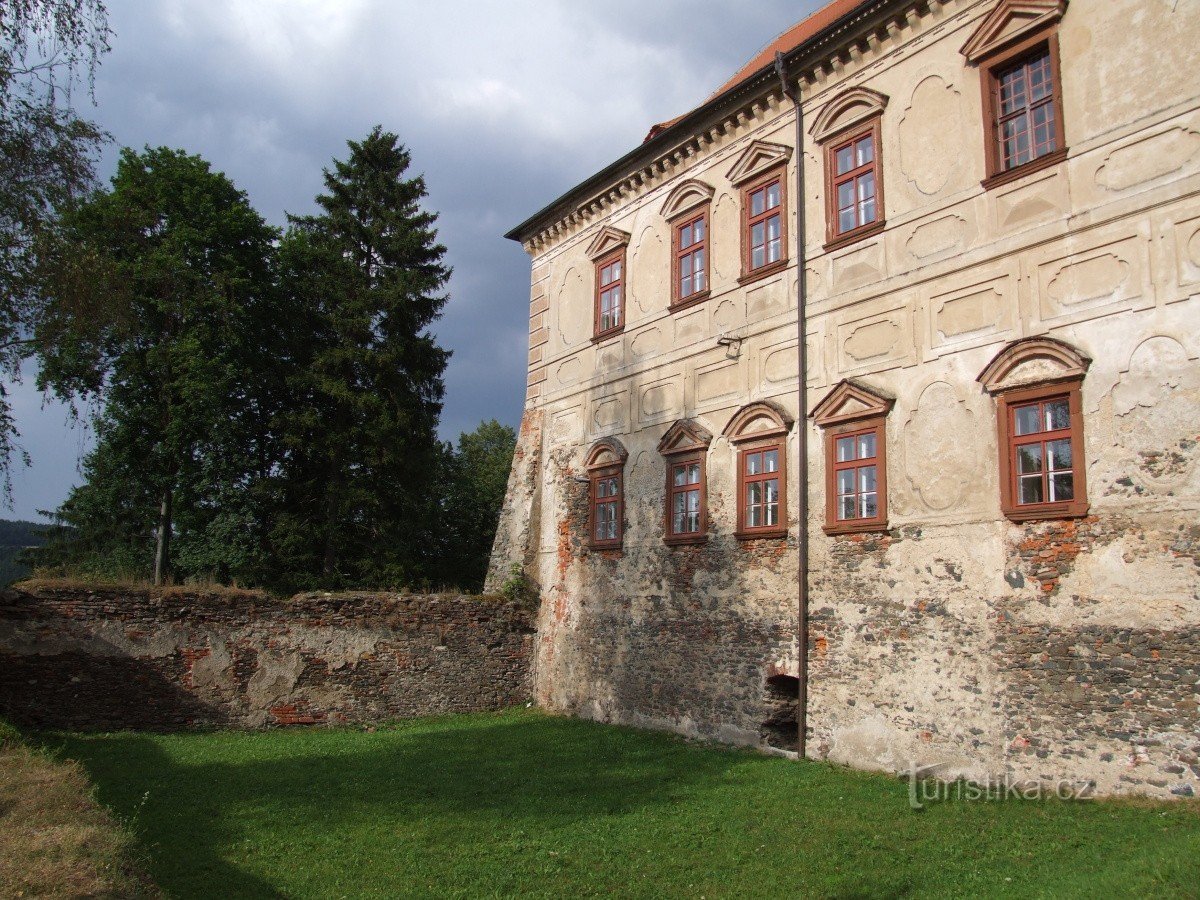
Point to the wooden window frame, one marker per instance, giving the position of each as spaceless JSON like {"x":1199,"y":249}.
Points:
{"x":678,"y":223}
{"x":1006,"y":401}
{"x":834,"y":525}
{"x":991,"y":67}
{"x":778,"y":173}
{"x":594,"y":476}
{"x":603,"y":262}
{"x":678,"y":459}
{"x":872,"y":127}
{"x":780,"y":529}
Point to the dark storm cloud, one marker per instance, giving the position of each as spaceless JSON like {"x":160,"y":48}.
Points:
{"x":503,"y":105}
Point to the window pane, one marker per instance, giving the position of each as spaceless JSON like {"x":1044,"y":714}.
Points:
{"x":866,"y":479}
{"x":1030,"y":489}
{"x":773,"y":243}
{"x":680,"y":475}
{"x":753,"y":463}
{"x":846,"y":220}
{"x":845,"y":481}
{"x":693,"y":501}
{"x":678,"y":514}
{"x":754,"y":493}
{"x":602,"y":488}
{"x":698,"y":262}
{"x":1062,"y":487}
{"x":1058,"y":455}
{"x":698,"y":230}
{"x":685,"y":237}
{"x":866,"y":198}
{"x":616,"y":270}
{"x":1025,"y":419}
{"x":758,"y":257}
{"x":1058,"y":415}
{"x":758,"y":235}
{"x":846,"y":195}
{"x":700,"y":280}
{"x":845,"y":449}
{"x":846,"y":507}
{"x":685,"y":286}
{"x":867,"y":506}
{"x":771,"y":490}
{"x":866,"y":150}
{"x":693,"y":473}
{"x":771,"y":461}
{"x":773,"y":195}
{"x":866,"y":445}
{"x":772,"y":514}
{"x":753,"y":516}
{"x":1029,"y":458}
{"x":756,"y":202}
{"x":845,"y":160}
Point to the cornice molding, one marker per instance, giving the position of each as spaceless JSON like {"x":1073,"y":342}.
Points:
{"x":1048,"y":359}
{"x":756,"y":159}
{"x":606,"y":241}
{"x":1008,"y":21}
{"x":850,"y":400}
{"x":847,"y":109}
{"x":604,"y":453}
{"x":684,"y":436}
{"x":761,"y":419}
{"x":686,"y":196}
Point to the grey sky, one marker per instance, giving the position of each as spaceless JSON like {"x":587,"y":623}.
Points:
{"x":503,"y":104}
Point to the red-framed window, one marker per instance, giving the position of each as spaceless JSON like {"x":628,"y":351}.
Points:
{"x":690,"y":280}
{"x":1026,"y":109}
{"x":856,"y":476}
{"x":762,"y":510}
{"x":855,"y":186}
{"x":764,"y":232}
{"x":606,"y":525}
{"x":1041,"y":445}
{"x":610,"y":294}
{"x":687,"y":508}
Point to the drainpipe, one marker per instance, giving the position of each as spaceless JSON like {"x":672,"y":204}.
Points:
{"x":793,"y":94}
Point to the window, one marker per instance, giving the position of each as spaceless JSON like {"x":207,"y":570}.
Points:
{"x":610,"y":293}
{"x":1016,"y":49}
{"x":1039,"y":428}
{"x":855,"y":421}
{"x":759,"y":431}
{"x":606,"y":494}
{"x":690,"y":279}
{"x":764,"y":234}
{"x":685,"y":503}
{"x":854,"y":185}
{"x":1041,"y":439}
{"x":857,"y":472}
{"x":685,"y":446}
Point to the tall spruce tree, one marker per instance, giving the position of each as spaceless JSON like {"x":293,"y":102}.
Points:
{"x":162,"y":312}
{"x":361,"y":444}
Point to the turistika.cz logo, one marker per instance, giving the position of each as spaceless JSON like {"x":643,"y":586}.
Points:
{"x":924,"y":787}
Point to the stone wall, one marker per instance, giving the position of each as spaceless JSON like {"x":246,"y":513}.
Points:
{"x":133,"y":658}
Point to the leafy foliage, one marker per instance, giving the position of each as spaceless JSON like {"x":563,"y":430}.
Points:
{"x":46,"y":161}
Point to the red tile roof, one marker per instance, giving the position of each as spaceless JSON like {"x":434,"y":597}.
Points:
{"x":787,"y":41}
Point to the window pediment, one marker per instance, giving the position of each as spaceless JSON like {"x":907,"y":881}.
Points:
{"x":851,"y":400}
{"x":759,"y":157}
{"x":848,"y":109}
{"x":1033,"y":361}
{"x":1008,"y":21}
{"x":758,"y":420}
{"x":604,"y":453}
{"x":684,"y":436}
{"x":685,"y":197}
{"x":606,"y":241}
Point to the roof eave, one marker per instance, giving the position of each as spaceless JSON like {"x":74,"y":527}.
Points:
{"x":713,"y":108}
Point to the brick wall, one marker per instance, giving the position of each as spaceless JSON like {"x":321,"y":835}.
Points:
{"x":125,"y":658}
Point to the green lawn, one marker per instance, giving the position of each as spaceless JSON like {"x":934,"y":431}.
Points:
{"x":521,"y":803}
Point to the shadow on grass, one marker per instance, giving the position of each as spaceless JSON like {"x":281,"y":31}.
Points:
{"x":193,"y":810}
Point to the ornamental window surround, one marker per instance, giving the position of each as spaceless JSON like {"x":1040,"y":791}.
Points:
{"x":685,"y":449}
{"x":688,"y":210}
{"x":849,"y":128}
{"x":1015,"y":48}
{"x":605,"y":464}
{"x":759,"y":432}
{"x":607,"y":252}
{"x":854,"y":419}
{"x":1037,"y":384}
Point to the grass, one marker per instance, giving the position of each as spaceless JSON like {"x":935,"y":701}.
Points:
{"x":523,"y":803}
{"x":55,"y":839}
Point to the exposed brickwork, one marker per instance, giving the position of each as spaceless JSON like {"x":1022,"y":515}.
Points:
{"x":109,"y":659}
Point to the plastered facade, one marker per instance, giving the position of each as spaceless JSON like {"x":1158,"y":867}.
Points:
{"x":1059,"y":649}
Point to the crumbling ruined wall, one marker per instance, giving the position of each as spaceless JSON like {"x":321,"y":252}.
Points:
{"x":109,"y":658}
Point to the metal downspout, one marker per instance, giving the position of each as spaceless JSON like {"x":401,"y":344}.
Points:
{"x":793,"y":94}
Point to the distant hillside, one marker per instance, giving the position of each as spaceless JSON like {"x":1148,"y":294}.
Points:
{"x":15,"y":536}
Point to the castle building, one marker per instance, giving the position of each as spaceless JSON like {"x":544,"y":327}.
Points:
{"x":863,"y":411}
